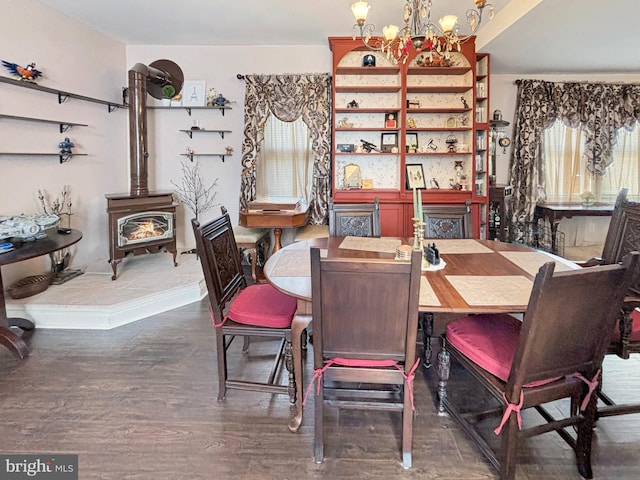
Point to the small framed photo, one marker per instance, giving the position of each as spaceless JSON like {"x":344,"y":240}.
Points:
{"x":346,"y":147}
{"x":415,"y":176}
{"x":389,"y":141}
{"x":451,"y":122}
{"x":193,"y":93}
{"x":390,"y":120}
{"x":411,"y":142}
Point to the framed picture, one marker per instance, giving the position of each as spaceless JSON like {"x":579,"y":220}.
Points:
{"x":388,"y":141}
{"x":390,"y":120}
{"x":415,"y":176}
{"x":411,"y":142}
{"x":193,"y":93}
{"x":451,"y":122}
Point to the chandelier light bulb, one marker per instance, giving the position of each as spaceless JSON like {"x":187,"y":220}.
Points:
{"x":360,"y":11}
{"x":448,"y":23}
{"x":390,"y":32}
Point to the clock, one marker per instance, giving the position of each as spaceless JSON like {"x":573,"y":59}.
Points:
{"x":504,"y":142}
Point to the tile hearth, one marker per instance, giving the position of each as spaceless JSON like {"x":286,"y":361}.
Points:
{"x":146,"y":285}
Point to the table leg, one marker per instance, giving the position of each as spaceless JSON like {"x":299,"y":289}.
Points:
{"x":300,"y":322}
{"x":7,"y":338}
{"x":277,"y":244}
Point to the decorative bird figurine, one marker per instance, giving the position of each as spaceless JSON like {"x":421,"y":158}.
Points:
{"x":66,"y":145}
{"x":29,"y":74}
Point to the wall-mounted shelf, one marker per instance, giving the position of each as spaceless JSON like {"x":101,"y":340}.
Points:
{"x":188,"y":109}
{"x":191,"y":155}
{"x":62,"y":95}
{"x":64,"y":126}
{"x":202,"y":130}
{"x":64,"y":157}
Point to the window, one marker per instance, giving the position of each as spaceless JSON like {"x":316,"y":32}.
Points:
{"x":284,"y":167}
{"x":566,"y":175}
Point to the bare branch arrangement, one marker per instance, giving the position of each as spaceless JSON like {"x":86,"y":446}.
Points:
{"x":192,"y":192}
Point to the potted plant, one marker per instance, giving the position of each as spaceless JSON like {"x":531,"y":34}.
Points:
{"x":168,"y":93}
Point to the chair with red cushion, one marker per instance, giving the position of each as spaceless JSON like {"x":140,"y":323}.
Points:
{"x":623,"y":237}
{"x":555,"y":353}
{"x":365,"y":318}
{"x":241,"y":310}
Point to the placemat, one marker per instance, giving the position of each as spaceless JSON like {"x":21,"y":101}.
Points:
{"x":455,"y":246}
{"x":532,"y":261}
{"x":492,"y":290}
{"x":427,"y":295}
{"x":295,"y":263}
{"x":368,"y":244}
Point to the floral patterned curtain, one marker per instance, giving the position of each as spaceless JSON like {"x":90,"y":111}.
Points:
{"x":600,"y":108}
{"x":289,"y":97}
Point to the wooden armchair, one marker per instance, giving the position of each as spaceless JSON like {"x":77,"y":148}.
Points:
{"x":622,"y":238}
{"x":365,"y":317}
{"x":240,"y":310}
{"x":555,"y":353}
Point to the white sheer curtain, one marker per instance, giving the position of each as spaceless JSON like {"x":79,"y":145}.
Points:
{"x":284,"y":167}
{"x":566,"y":175}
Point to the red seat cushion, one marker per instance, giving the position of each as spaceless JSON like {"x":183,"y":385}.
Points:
{"x":487,"y":340}
{"x":263,"y":306}
{"x":490,"y":341}
{"x":635,"y":326}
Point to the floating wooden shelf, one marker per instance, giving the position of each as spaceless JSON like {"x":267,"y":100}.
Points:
{"x":64,"y":126}
{"x":202,"y":130}
{"x":64,"y":157}
{"x":191,"y":155}
{"x":62,"y":95}
{"x":188,"y":109}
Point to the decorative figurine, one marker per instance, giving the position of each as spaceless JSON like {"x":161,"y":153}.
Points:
{"x":369,"y":61}
{"x":220,"y":101}
{"x":451,"y":141}
{"x":28,"y":74}
{"x":434,"y":183}
{"x":411,"y":123}
{"x":352,"y":104}
{"x":229,"y":149}
{"x":211,"y":95}
{"x":345,"y":123}
{"x":66,"y":145}
{"x":464,"y":102}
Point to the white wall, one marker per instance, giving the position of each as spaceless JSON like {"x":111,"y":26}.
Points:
{"x":218,"y":67}
{"x":75,"y":59}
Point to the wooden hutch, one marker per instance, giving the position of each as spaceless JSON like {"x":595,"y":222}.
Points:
{"x":433,"y":116}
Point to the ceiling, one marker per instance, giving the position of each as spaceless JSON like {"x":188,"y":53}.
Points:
{"x":525,"y":37}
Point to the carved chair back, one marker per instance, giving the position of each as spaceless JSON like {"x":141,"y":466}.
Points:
{"x":354,"y":219}
{"x":447,"y":221}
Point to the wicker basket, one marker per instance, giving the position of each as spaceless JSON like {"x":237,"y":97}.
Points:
{"x":29,"y":286}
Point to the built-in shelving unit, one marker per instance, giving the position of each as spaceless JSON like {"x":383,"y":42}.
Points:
{"x":63,"y":96}
{"x":435,"y":110}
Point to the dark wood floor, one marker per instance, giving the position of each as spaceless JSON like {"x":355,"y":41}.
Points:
{"x":139,"y":402}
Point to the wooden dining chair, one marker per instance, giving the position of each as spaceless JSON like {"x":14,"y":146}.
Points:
{"x":623,"y":237}
{"x":442,"y":221}
{"x":240,"y":310}
{"x":365,"y":316}
{"x":447,"y":221}
{"x":354,"y":219}
{"x":555,"y":353}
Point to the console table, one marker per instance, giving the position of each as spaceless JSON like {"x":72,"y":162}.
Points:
{"x":276,"y":220}
{"x":25,"y":251}
{"x":555,"y":212}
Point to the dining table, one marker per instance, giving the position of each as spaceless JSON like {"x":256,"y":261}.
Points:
{"x":473,"y":277}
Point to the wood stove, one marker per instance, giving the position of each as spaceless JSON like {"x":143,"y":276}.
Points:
{"x":140,"y":225}
{"x":142,"y":221}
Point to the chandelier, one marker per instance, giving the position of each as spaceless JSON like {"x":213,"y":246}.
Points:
{"x":418,"y":30}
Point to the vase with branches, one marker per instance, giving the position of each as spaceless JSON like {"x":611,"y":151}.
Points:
{"x":192,"y":192}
